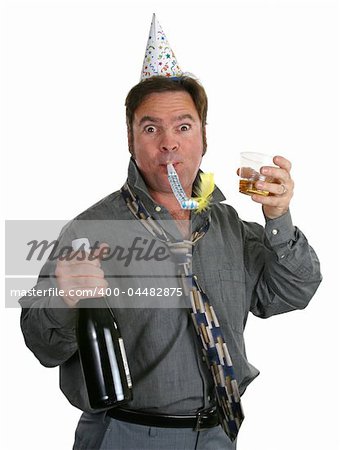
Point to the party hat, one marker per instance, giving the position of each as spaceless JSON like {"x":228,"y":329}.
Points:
{"x":159,"y":58}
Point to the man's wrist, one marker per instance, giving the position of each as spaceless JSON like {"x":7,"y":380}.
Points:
{"x":280,"y":229}
{"x":61,"y":312}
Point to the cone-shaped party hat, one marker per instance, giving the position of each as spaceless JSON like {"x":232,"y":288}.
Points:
{"x":159,"y":58}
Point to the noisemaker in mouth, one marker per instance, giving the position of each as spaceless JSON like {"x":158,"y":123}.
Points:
{"x":205,"y":189}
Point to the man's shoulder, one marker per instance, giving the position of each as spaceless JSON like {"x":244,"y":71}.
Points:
{"x":226,"y":211}
{"x":107,"y":208}
{"x":96,"y":218}
{"x":227,"y":216}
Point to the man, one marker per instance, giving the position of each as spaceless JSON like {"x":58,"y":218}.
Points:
{"x":241,"y":267}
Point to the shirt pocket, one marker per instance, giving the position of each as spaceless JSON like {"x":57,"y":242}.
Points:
{"x":227,"y":292}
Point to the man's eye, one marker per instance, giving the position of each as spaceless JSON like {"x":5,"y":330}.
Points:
{"x":150,"y":129}
{"x":185,"y":127}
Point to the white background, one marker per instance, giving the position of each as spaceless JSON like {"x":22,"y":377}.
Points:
{"x":270,"y":69}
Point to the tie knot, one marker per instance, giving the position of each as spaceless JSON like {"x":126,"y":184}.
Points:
{"x":181,"y":251}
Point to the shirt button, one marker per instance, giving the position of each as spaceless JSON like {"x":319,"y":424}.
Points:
{"x":282,"y":256}
{"x":158,"y":209}
{"x":275,"y":231}
{"x":152,"y":432}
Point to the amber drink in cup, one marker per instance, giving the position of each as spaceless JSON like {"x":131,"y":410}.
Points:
{"x":250,"y":172}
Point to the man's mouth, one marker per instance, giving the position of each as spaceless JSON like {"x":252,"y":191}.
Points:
{"x":174,"y":163}
{"x":164,"y":168}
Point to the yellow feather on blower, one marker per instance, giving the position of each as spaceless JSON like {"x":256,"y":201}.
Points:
{"x":204,"y":191}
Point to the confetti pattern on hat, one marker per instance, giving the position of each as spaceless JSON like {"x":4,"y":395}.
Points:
{"x":159,"y":58}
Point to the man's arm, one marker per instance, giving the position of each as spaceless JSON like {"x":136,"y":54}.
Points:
{"x":290,"y":270}
{"x":48,"y":323}
{"x":284,"y":270}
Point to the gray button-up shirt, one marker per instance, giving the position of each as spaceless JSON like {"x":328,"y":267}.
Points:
{"x":241,"y":266}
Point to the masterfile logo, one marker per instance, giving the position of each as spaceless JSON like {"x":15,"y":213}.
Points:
{"x":138,"y":266}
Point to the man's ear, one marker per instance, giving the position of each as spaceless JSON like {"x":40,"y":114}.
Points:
{"x":130,"y":141}
{"x":204,"y":138}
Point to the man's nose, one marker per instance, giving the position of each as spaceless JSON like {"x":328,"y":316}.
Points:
{"x":169,"y":143}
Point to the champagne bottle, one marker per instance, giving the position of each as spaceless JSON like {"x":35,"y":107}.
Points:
{"x":101,"y":350}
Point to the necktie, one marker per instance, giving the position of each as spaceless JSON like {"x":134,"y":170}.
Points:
{"x":209,"y":333}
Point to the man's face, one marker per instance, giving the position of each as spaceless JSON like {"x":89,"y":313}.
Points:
{"x":167,"y":128}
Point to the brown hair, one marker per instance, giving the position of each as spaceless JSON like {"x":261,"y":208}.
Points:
{"x":162,"y":84}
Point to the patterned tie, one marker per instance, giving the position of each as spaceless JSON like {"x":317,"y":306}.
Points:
{"x":215,"y":350}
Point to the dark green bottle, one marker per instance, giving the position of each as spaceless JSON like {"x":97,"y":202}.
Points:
{"x":101,"y":350}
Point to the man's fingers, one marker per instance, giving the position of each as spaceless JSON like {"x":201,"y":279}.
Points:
{"x":281,"y":173}
{"x":278,"y":189}
{"x":276,"y":173}
{"x":76,"y":293}
{"x":79,"y":270}
{"x":248,"y":173}
{"x":283,"y":163}
{"x":85,"y":282}
{"x":80,"y":256}
{"x":80,"y":276}
{"x":101,"y":251}
{"x":86,"y":289}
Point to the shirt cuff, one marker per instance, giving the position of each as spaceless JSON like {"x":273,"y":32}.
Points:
{"x":62,"y":314}
{"x":280,"y":230}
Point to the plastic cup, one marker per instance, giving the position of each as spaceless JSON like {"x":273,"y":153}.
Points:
{"x":250,"y":172}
